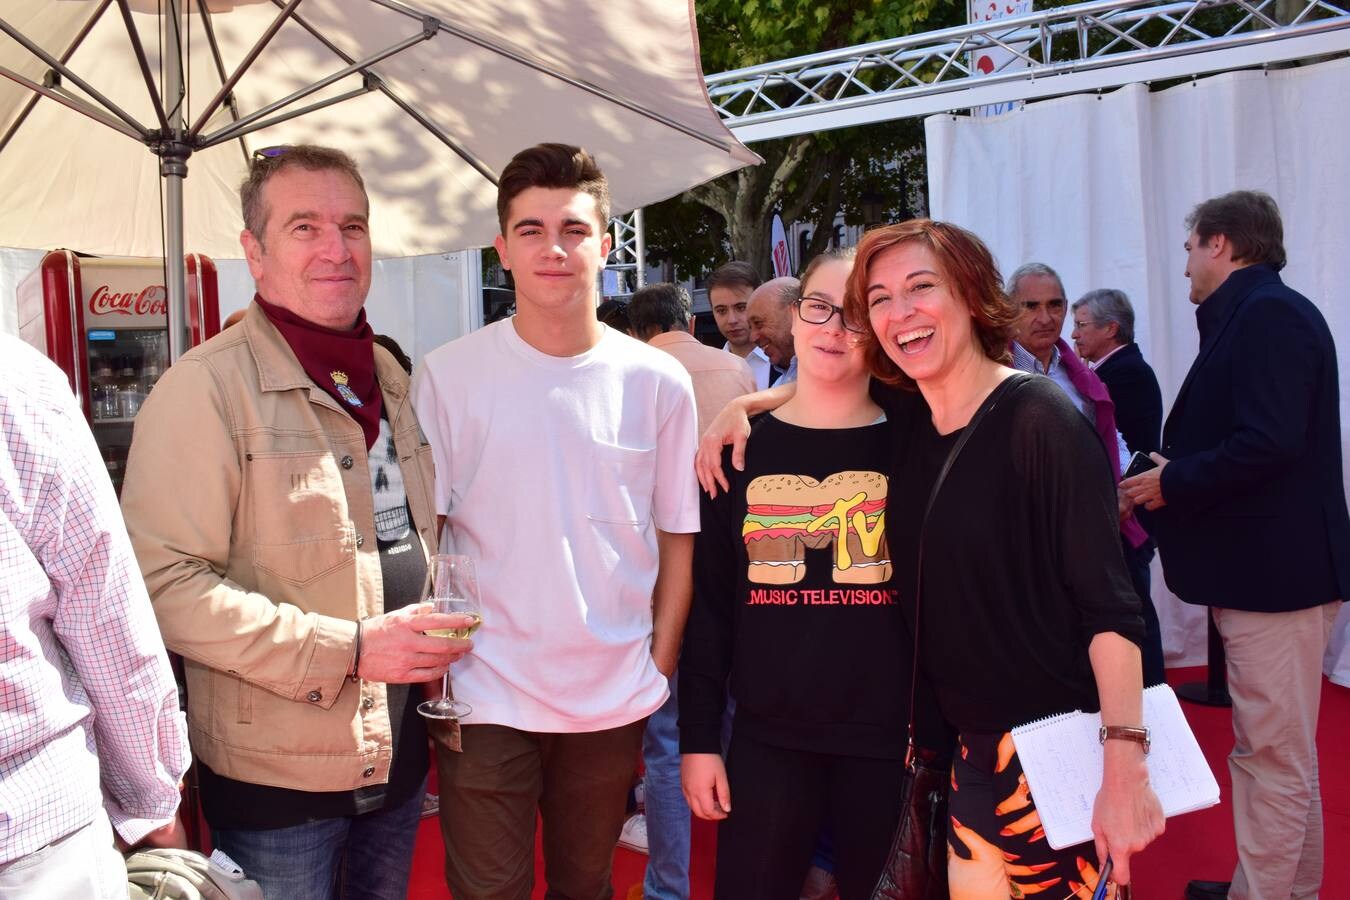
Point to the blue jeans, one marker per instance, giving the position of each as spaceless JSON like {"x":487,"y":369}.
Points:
{"x":668,"y":814}
{"x":366,"y":857}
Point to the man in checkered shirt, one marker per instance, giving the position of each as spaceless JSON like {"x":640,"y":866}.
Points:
{"x":91,"y":737}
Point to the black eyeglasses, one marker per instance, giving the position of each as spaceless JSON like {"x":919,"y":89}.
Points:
{"x":816,"y":311}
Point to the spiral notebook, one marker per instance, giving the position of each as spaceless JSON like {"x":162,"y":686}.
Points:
{"x":1062,"y":759}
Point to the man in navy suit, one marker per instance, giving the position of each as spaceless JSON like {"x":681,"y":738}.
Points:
{"x":1248,"y":507}
{"x":1103,"y":334}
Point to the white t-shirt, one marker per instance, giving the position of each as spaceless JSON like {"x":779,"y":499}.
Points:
{"x":554,"y":474}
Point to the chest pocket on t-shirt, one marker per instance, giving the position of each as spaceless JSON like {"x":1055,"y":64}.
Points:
{"x":301,"y":520}
{"x":620,"y":484}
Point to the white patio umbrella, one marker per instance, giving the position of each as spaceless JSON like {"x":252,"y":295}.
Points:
{"x":431,"y":98}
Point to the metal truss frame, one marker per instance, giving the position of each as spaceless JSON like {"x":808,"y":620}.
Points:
{"x":628,"y":254}
{"x":1084,"y":47}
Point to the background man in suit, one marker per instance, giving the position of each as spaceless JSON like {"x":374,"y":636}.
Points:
{"x":1103,"y":332}
{"x":1248,"y":507}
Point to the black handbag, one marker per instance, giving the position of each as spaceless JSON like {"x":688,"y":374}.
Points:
{"x":916,"y":868}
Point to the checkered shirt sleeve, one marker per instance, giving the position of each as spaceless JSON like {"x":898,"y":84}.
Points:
{"x":89,"y":713}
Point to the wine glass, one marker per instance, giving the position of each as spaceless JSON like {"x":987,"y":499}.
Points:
{"x":452,"y":587}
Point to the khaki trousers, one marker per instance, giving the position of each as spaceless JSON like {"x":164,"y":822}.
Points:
{"x":490,"y":792}
{"x":83,"y":865}
{"x":1275,"y":679}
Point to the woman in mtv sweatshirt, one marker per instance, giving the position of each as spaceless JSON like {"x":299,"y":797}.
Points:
{"x":794,"y":602}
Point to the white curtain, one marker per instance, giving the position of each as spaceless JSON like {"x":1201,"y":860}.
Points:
{"x":1097,"y":186}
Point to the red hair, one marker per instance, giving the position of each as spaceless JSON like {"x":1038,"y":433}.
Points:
{"x":968,"y":267}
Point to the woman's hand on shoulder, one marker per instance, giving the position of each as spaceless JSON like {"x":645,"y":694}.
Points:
{"x":732,"y":426}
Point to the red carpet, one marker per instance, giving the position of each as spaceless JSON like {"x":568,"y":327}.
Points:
{"x":1196,"y":845}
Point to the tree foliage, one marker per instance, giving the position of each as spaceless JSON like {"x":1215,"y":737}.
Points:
{"x":811,"y":178}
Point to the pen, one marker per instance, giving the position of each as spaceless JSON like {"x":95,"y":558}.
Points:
{"x":1100,"y":892}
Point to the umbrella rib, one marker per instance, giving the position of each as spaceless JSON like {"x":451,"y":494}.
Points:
{"x":234,"y":131}
{"x":287,"y":11}
{"x":415,"y":114}
{"x":75,"y":103}
{"x":65,"y":57}
{"x":630,"y":105}
{"x":136,"y":47}
{"x":219,"y":60}
{"x":64,"y":71}
{"x":319,"y":85}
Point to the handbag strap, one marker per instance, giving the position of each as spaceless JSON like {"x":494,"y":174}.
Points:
{"x":1004,"y":387}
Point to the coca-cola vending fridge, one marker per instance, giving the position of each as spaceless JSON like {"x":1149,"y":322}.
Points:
{"x":105,"y":322}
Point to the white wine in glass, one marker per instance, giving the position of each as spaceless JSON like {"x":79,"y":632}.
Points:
{"x":452,"y":587}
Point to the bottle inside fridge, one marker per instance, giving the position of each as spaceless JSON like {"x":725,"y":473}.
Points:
{"x":124,"y":365}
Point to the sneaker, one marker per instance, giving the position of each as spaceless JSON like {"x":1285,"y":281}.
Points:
{"x":640,"y":795}
{"x":634,"y":834}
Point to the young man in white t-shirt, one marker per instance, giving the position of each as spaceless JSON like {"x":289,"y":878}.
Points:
{"x":564,"y":466}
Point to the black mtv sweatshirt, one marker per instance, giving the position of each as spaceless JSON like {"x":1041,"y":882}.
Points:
{"x":794,"y":599}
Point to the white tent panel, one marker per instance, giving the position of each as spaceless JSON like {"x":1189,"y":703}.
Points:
{"x":80,"y":184}
{"x":1098,"y":187}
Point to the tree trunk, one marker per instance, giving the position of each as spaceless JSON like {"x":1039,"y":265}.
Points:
{"x":750,"y":243}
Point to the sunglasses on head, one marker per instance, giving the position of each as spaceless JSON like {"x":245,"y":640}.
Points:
{"x":263,"y":153}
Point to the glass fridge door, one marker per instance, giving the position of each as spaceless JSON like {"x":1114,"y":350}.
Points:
{"x":124,"y":365}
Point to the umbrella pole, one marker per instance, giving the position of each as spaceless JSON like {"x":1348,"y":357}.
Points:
{"x":173,"y":168}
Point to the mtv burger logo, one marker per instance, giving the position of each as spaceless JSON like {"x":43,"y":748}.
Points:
{"x":151,"y":301}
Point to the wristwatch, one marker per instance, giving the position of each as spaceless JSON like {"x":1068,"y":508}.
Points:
{"x":1137,"y":733}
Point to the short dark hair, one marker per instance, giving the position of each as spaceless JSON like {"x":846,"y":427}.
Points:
{"x":265,"y":165}
{"x":614,"y":313}
{"x":734,"y":274}
{"x":1251,"y":222}
{"x":970,"y":270}
{"x":395,"y":351}
{"x":1107,"y":305}
{"x":658,"y":308}
{"x":552,"y":166}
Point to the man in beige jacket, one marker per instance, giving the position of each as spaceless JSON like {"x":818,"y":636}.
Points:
{"x":278,"y":496}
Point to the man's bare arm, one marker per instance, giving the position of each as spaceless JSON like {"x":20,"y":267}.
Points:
{"x":671,"y":596}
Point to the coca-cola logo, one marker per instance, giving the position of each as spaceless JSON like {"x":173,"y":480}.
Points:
{"x":151,"y":301}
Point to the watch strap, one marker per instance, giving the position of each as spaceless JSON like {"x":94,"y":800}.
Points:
{"x":1137,"y":733}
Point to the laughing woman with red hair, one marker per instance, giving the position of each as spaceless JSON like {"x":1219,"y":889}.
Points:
{"x":1027,"y":609}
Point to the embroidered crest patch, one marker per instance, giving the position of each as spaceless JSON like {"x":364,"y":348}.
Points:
{"x":345,"y":392}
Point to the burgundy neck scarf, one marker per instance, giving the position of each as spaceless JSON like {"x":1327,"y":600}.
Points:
{"x":341,"y":363}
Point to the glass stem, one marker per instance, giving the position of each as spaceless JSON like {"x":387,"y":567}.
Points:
{"x":445,"y":686}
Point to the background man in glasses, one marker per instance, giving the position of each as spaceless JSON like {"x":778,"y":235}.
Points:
{"x":1103,"y":332}
{"x":278,"y":495}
